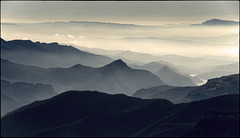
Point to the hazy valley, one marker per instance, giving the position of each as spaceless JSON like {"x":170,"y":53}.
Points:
{"x":119,"y":69}
{"x":168,"y":92}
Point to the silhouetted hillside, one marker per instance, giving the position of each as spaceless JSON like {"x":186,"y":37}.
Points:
{"x":216,"y":124}
{"x":46,"y":55}
{"x":115,"y":77}
{"x":214,"y":87}
{"x":189,"y":115}
{"x":95,"y":114}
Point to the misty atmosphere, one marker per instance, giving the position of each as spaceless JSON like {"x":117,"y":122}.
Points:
{"x":118,"y":70}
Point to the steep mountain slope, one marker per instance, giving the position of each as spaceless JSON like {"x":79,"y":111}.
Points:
{"x":96,"y":114}
{"x":219,"y":71}
{"x":115,"y":77}
{"x":47,"y":55}
{"x":171,"y":77}
{"x":18,"y":94}
{"x":214,"y":87}
{"x":190,"y":115}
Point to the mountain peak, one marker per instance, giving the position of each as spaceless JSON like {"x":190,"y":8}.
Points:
{"x":119,"y":61}
{"x":117,"y":64}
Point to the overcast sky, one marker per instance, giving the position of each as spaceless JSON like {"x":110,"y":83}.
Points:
{"x":159,"y":12}
{"x":179,"y":39}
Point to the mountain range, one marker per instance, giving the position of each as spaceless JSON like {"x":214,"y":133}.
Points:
{"x":214,"y":87}
{"x":115,"y":77}
{"x":96,"y":114}
{"x":184,"y":64}
{"x":47,"y":55}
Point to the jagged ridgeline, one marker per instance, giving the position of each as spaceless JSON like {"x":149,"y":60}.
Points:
{"x":47,"y":55}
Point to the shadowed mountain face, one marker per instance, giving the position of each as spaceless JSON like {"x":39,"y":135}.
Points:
{"x":115,"y":77}
{"x":95,"y":114}
{"x":214,"y":87}
{"x":17,"y":94}
{"x":47,"y":55}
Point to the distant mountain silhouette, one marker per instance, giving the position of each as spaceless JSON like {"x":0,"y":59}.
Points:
{"x":171,"y":77}
{"x":95,"y":114}
{"x":219,"y":22}
{"x":47,"y":55}
{"x":17,"y":94}
{"x":152,"y":66}
{"x":168,"y":75}
{"x":219,"y":71}
{"x":214,"y":87}
{"x":115,"y":77}
{"x":136,"y":56}
{"x":176,"y":61}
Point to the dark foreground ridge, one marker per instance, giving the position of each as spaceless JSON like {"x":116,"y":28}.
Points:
{"x":96,"y":114}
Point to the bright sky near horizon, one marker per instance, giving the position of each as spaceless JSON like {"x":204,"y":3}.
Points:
{"x":161,"y":40}
{"x":142,"y":12}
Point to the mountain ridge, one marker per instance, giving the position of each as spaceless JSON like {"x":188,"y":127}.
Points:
{"x":214,"y":87}
{"x":48,"y":55}
{"x":114,"y":77}
{"x":71,"y":114}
